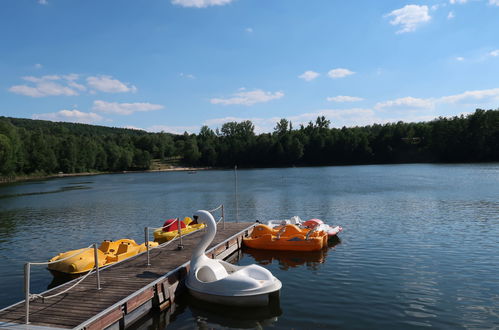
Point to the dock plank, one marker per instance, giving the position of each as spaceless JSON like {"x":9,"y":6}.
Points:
{"x":118,"y":281}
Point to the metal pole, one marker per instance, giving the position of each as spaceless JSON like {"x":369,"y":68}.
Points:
{"x":146,"y":234}
{"x":237,"y":202}
{"x":26,"y":289}
{"x":180,"y":245}
{"x":223,"y":217}
{"x":96,"y":260}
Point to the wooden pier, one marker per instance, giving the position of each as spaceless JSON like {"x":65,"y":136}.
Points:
{"x":129,"y":289}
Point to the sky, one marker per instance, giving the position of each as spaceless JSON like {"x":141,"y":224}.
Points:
{"x":176,"y":65}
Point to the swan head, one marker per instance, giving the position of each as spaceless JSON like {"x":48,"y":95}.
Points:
{"x":202,"y":216}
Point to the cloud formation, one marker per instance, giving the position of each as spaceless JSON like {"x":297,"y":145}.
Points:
{"x":200,"y":3}
{"x":309,"y":75}
{"x":472,"y":96}
{"x":409,"y":17}
{"x":405,"y":103}
{"x":344,"y":98}
{"x":339,"y":73}
{"x":50,"y":85}
{"x":124,"y":108}
{"x":107,"y":84}
{"x":173,"y":129}
{"x":73,"y":116}
{"x":248,"y":98}
{"x":494,"y":53}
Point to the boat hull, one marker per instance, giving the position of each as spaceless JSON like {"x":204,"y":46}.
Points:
{"x":259,"y":300}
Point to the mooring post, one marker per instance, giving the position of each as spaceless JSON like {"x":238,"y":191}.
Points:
{"x":223,"y":217}
{"x":96,"y":260}
{"x":26,"y":289}
{"x":146,"y":240}
{"x":180,"y":245}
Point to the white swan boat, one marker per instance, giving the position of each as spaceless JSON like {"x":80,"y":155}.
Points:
{"x":220,"y":282}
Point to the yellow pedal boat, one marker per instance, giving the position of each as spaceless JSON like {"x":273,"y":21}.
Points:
{"x":82,"y":260}
{"x":286,"y":238}
{"x":170,"y":229}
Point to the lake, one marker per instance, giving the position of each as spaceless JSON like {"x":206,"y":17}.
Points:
{"x":420,"y":245}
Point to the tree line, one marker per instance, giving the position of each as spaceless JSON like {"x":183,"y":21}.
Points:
{"x":36,"y":147}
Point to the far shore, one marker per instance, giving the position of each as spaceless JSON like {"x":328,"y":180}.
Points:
{"x":22,"y":178}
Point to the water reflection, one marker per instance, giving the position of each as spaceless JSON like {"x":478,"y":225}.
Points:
{"x":292,"y":259}
{"x":33,"y":193}
{"x":209,"y":315}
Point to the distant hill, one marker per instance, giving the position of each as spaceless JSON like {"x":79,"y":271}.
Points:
{"x":36,"y":147}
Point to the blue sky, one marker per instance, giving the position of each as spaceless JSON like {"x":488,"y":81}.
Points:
{"x":175,"y":65}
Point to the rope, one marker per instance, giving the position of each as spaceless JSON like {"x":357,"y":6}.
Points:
{"x":59,"y":260}
{"x":35,"y":296}
{"x":215,"y":209}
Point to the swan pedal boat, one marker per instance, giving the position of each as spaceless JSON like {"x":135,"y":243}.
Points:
{"x":220,"y":282}
{"x":165,"y":234}
{"x":288,"y":237}
{"x":82,"y":260}
{"x":312,"y":223}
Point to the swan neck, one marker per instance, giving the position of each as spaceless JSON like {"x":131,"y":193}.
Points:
{"x":200,"y":250}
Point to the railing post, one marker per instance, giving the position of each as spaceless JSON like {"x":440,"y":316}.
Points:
{"x":96,"y":260}
{"x":26,"y":289}
{"x":180,"y":245}
{"x":223,"y":217}
{"x":146,"y":234}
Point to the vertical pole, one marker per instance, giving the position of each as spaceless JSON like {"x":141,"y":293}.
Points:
{"x":223,"y":217}
{"x":180,"y":245}
{"x":146,"y":240}
{"x":26,"y":289}
{"x":96,"y":260}
{"x":235,"y":190}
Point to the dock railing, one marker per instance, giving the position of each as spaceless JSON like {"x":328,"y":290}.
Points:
{"x":147,"y":231}
{"x":27,"y":278}
{"x":27,"y":266}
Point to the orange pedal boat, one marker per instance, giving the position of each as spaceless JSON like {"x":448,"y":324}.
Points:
{"x":286,"y":238}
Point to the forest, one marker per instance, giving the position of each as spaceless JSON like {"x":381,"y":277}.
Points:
{"x":36,"y":148}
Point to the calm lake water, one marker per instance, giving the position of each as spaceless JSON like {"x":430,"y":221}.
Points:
{"x":420,"y":245}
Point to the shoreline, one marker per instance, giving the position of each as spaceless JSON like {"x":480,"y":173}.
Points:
{"x":15,"y":179}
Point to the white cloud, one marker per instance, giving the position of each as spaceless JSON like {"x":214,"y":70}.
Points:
{"x":124,"y":108}
{"x":173,"y":129}
{"x":200,"y":3}
{"x":494,"y":52}
{"x":73,"y":116}
{"x":187,"y":75}
{"x":133,"y":127}
{"x":450,"y":15}
{"x":494,"y":2}
{"x":344,"y":98}
{"x":309,"y":75}
{"x":405,"y":103}
{"x":410,"y":17}
{"x":45,"y":86}
{"x":459,"y":58}
{"x":38,"y":66}
{"x":472,"y":96}
{"x":249,"y":30}
{"x":248,"y":98}
{"x":43,"y":2}
{"x":109,"y":85}
{"x":339,"y":73}
{"x":453,"y":2}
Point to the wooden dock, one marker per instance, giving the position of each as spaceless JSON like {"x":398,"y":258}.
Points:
{"x":129,"y":289}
